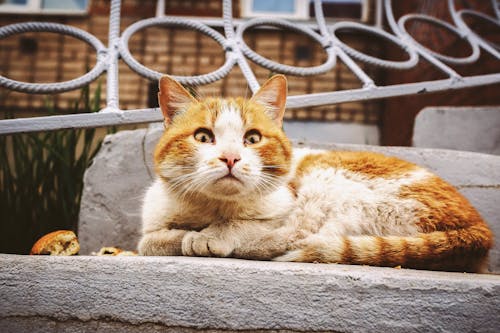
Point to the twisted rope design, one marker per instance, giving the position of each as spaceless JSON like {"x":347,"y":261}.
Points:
{"x":112,"y":89}
{"x":413,"y":56}
{"x":43,"y":88}
{"x":235,"y":47}
{"x":168,"y":21}
{"x":281,"y":68}
{"x":451,"y":60}
{"x":489,"y":46}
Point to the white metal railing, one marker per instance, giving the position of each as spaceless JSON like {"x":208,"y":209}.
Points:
{"x":237,"y":53}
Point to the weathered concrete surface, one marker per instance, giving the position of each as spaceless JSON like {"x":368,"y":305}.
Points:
{"x":113,"y":190}
{"x":122,"y":171}
{"x":44,"y":324}
{"x":339,"y":132}
{"x":460,"y":128}
{"x":60,"y":293}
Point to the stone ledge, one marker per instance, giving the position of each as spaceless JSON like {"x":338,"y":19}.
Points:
{"x":130,"y":294}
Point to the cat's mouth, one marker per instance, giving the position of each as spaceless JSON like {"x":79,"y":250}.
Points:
{"x":229,"y":177}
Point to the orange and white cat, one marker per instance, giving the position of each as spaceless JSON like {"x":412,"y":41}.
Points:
{"x":229,"y":184}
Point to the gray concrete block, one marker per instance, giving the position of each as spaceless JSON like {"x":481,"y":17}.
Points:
{"x":122,"y":171}
{"x":460,"y":128}
{"x":340,"y":132}
{"x":113,"y":189}
{"x":63,"y":294}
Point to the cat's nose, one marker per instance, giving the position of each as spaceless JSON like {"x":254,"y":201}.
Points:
{"x":230,"y":159}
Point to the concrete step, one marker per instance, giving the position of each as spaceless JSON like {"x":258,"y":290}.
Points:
{"x":183,"y":294}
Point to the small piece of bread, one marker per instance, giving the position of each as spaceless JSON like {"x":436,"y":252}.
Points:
{"x":57,"y":243}
{"x":113,"y":251}
{"x":127,"y":253}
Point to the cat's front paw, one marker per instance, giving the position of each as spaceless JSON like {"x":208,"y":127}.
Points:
{"x":199,"y":244}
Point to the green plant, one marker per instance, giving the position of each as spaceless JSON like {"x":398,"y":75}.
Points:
{"x":41,"y":179}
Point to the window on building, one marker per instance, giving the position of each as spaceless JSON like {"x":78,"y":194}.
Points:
{"x":296,"y":9}
{"x":63,"y":7}
{"x":302,"y":9}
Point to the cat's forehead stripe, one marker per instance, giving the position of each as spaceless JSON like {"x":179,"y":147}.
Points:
{"x":228,"y":118}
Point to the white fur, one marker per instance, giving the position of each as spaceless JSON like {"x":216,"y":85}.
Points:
{"x":353,"y":204}
{"x":338,"y":203}
{"x":157,"y":207}
{"x":298,"y":156}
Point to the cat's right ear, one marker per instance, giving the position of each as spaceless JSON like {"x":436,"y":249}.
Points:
{"x":173,"y":98}
{"x":272,"y":95}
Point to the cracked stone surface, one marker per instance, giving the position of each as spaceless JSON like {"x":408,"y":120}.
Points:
{"x":122,"y":170}
{"x":113,"y":189}
{"x":183,"y":294}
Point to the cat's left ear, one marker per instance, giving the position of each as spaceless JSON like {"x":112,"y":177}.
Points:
{"x":272,"y":95}
{"x":173,"y":98}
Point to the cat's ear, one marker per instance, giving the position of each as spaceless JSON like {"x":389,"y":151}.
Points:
{"x":173,"y":98}
{"x":272,"y":95}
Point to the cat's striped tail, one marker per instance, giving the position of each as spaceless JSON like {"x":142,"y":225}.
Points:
{"x":463,"y":249}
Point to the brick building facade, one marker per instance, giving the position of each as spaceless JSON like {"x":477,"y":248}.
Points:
{"x":45,"y":57}
{"x":48,"y":57}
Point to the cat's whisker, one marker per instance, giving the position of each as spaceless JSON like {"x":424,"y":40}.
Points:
{"x":273,"y":166}
{"x":194,"y":188}
{"x":178,"y":167}
{"x":267,"y":183}
{"x":267,"y":176}
{"x":200,"y":187}
{"x":246,"y":92}
{"x":203,"y":179}
{"x":180,"y":181}
{"x":187,"y":191}
{"x":270,"y":165}
{"x":179,"y":186}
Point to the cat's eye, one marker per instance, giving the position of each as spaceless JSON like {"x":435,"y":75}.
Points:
{"x":204,"y":135}
{"x":252,"y":137}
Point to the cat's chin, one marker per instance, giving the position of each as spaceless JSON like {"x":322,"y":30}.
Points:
{"x":228,"y":185}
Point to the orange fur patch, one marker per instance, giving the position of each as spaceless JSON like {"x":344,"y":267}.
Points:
{"x":371,"y":165}
{"x":392,"y":251}
{"x":275,"y":149}
{"x":177,"y":141}
{"x":446,"y":208}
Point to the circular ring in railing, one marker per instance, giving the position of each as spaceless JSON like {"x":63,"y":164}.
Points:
{"x":482,"y":16}
{"x":57,"y":87}
{"x":168,"y":21}
{"x":281,"y":68}
{"x":452,"y":60}
{"x":409,"y":63}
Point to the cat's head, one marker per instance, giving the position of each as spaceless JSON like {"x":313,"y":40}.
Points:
{"x":223,"y":147}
